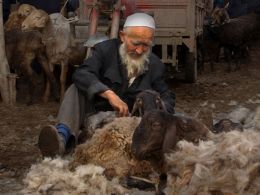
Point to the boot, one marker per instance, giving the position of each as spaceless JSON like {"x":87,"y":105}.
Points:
{"x":50,"y":142}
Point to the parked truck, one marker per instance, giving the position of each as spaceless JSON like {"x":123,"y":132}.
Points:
{"x":179,"y":26}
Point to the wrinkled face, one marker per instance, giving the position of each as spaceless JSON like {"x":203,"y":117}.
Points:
{"x":138,"y":40}
{"x":25,"y":9}
{"x":148,"y":137}
{"x":38,"y":19}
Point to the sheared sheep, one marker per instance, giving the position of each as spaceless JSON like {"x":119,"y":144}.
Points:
{"x":21,"y":49}
{"x":17,"y":17}
{"x":109,"y":147}
{"x":147,"y":100}
{"x":228,"y":164}
{"x":55,"y":30}
{"x":158,"y":133}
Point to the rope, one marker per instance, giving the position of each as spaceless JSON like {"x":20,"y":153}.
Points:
{"x":63,"y":7}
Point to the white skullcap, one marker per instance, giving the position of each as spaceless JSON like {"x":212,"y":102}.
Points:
{"x":140,"y":19}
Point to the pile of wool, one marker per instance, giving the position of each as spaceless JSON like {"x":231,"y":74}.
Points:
{"x":228,"y":164}
{"x":55,"y":177}
{"x":249,"y":119}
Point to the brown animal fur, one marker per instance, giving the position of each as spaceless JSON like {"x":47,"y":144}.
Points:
{"x":109,"y":147}
{"x":56,"y":35}
{"x":21,"y":49}
{"x":17,"y":17}
{"x":234,"y":35}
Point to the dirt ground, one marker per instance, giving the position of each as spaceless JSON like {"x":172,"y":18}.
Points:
{"x":218,"y":91}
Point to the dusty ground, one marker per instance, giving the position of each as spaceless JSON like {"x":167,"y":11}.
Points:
{"x":220,"y":92}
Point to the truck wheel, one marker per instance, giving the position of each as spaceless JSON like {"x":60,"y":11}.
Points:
{"x":190,"y":68}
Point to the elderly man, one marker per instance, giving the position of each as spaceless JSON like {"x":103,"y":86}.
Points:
{"x":109,"y":80}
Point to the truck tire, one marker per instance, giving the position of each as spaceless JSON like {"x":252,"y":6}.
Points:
{"x":190,"y":68}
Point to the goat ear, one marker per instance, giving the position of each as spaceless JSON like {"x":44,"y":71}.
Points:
{"x":227,"y":16}
{"x":170,"y":138}
{"x":226,"y":6}
{"x":136,"y":106}
{"x":161,"y":104}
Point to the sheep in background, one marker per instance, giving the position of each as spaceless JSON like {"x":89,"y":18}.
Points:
{"x":17,"y":17}
{"x":234,"y":35}
{"x":21,"y":49}
{"x":229,"y":164}
{"x":147,"y":100}
{"x":55,"y":30}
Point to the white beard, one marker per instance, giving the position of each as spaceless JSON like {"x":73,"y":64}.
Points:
{"x":134,"y":66}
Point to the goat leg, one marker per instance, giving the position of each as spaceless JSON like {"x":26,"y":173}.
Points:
{"x":50,"y":79}
{"x":212,"y":68}
{"x":32,"y":84}
{"x":228,"y":57}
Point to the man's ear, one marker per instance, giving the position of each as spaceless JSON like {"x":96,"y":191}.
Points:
{"x":122,"y":36}
{"x":170,"y":138}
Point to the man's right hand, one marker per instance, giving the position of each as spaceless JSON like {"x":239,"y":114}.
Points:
{"x":115,"y":101}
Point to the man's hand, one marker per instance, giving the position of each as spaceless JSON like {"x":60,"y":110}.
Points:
{"x":119,"y":106}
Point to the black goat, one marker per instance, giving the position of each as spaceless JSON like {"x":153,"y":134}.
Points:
{"x":233,"y":34}
{"x":159,"y":131}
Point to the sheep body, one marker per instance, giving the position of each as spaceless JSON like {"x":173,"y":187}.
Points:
{"x":55,"y":31}
{"x":109,"y":147}
{"x":17,"y":17}
{"x":105,"y":155}
{"x":234,"y":35}
{"x":21,"y":49}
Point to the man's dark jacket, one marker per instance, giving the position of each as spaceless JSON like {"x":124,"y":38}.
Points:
{"x":104,"y":70}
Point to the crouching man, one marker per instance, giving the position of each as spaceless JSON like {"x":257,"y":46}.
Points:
{"x":109,"y":80}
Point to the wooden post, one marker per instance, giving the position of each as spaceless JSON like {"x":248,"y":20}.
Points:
{"x":7,"y":80}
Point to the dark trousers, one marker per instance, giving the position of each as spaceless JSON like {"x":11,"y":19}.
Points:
{"x":73,"y":110}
